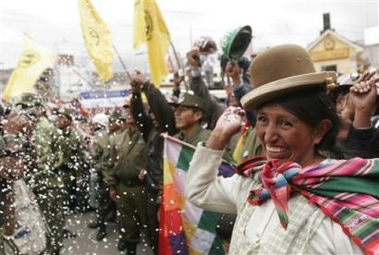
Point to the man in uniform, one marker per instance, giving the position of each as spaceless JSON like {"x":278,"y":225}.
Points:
{"x":72,"y":159}
{"x":126,"y":182}
{"x":189,"y":114}
{"x":100,"y":162}
{"x":44,"y":180}
{"x":107,"y":210}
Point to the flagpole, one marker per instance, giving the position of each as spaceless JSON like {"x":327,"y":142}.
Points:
{"x":176,"y":140}
{"x":166,"y":135}
{"x":179,"y":64}
{"x":122,"y":62}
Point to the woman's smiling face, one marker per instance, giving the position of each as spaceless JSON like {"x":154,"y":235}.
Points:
{"x":284,"y":136}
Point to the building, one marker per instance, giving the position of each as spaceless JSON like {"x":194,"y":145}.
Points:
{"x":332,"y":52}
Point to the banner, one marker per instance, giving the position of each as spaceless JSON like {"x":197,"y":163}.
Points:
{"x":185,"y":228}
{"x":150,"y":28}
{"x":97,"y":37}
{"x":33,"y":61}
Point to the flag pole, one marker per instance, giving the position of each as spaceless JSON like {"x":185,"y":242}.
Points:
{"x":122,"y":62}
{"x":166,"y":135}
{"x":179,"y":64}
{"x":174,"y":139}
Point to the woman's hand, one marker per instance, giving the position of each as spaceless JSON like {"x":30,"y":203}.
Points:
{"x":229,"y":123}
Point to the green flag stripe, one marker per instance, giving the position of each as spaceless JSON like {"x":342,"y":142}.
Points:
{"x":185,"y":158}
{"x":208,"y":221}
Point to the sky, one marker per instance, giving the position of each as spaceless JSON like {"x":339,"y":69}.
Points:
{"x":56,"y":23}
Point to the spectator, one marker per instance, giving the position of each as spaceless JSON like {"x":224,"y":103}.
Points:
{"x":280,"y":210}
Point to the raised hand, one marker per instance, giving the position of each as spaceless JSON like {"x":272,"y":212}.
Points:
{"x":363,"y":96}
{"x":229,"y":123}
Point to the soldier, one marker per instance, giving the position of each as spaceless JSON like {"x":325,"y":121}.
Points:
{"x":44,"y":180}
{"x":71,"y":165}
{"x":126,"y":182}
{"x":189,"y":114}
{"x":160,"y":120}
{"x":100,"y":162}
{"x":108,"y":208}
{"x":116,"y":126}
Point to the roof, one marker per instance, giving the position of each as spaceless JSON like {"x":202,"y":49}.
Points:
{"x":354,"y":45}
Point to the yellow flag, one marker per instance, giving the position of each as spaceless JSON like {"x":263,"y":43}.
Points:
{"x":97,"y":38}
{"x":150,"y":28}
{"x":33,"y":61}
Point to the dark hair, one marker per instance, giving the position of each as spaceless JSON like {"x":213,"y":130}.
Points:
{"x":340,"y":90}
{"x":312,"y":105}
{"x":195,"y":110}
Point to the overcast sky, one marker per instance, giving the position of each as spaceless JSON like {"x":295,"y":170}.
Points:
{"x":56,"y":23}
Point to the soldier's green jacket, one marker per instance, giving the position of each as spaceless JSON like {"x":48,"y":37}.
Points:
{"x":72,"y":150}
{"x":99,"y":152}
{"x":129,"y":154}
{"x":202,"y":135}
{"x":47,"y":148}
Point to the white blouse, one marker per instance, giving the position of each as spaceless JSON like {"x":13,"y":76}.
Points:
{"x":229,"y":195}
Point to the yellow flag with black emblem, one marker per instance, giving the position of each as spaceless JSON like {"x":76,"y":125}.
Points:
{"x":33,"y":61}
{"x":150,"y":28}
{"x":98,"y":39}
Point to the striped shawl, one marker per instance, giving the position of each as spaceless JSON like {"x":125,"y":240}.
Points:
{"x":347,"y":191}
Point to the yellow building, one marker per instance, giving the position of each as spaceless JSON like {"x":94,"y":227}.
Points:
{"x":332,"y":52}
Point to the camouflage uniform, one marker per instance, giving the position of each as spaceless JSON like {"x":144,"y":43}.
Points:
{"x":46,"y":184}
{"x":41,"y":176}
{"x":71,"y":167}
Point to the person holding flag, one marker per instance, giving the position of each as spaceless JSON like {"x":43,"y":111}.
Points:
{"x":150,"y":28}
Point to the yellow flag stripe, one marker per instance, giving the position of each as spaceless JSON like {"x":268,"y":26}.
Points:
{"x":33,"y":61}
{"x":98,"y":39}
{"x":150,"y":28}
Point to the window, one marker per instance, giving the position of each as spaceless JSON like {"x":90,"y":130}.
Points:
{"x":329,"y":68}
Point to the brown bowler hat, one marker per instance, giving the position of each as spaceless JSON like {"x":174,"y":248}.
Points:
{"x":280,"y":70}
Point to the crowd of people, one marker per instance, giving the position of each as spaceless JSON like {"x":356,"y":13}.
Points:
{"x":302,"y":141}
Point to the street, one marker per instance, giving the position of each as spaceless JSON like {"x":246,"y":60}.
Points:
{"x":86,"y":243}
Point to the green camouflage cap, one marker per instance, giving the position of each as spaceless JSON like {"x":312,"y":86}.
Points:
{"x":191,"y":100}
{"x":29,"y":100}
{"x":235,"y":43}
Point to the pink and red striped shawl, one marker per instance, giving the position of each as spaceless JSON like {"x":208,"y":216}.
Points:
{"x":345,"y":190}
